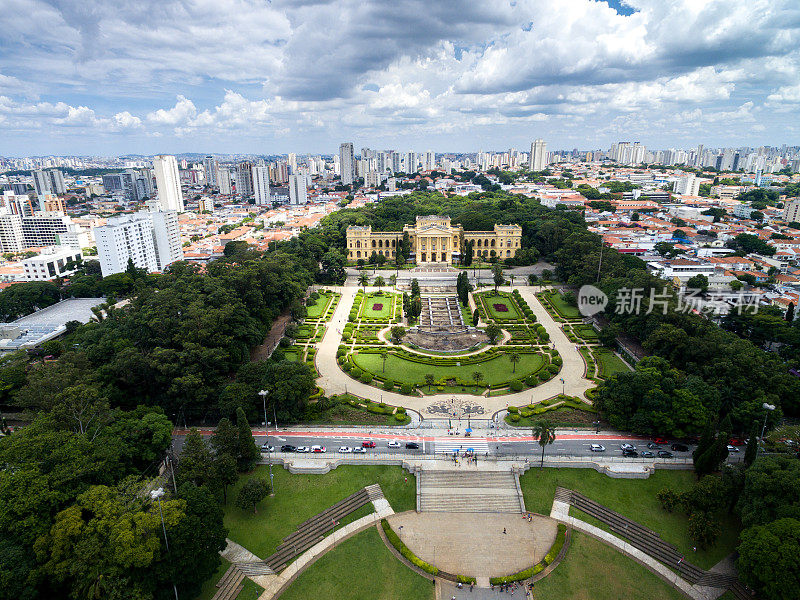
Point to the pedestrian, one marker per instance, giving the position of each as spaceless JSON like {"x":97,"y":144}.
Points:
{"x":504,"y":531}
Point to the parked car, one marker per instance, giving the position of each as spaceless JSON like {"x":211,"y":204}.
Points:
{"x":369,"y":444}
{"x":624,"y":447}
{"x":318,"y":449}
{"x":660,"y":440}
{"x":664,"y":454}
{"x":303,"y":449}
{"x":267,"y":448}
{"x":412,"y":446}
{"x":345,"y":449}
{"x":738,"y":442}
{"x":630,"y":453}
{"x":288,"y":448}
{"x":679,"y":447}
{"x":597,"y":448}
{"x":732,"y":448}
{"x":646,"y":454}
{"x":359,"y":450}
{"x":653,"y":446}
{"x":393,"y":444}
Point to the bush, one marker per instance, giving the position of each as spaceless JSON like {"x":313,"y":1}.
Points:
{"x":401,"y":410}
{"x":516,"y":386}
{"x":513,"y":409}
{"x":400,"y":417}
{"x":545,"y":375}
{"x":388,"y":385}
{"x":514,"y":417}
{"x":395,"y":541}
{"x":285,"y":342}
{"x":407,"y":389}
{"x":525,"y":414}
{"x":553,"y":368}
{"x":556,"y":360}
{"x":366,"y":377}
{"x":532,"y":380}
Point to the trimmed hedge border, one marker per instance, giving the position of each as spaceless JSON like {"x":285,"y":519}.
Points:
{"x":406,"y":553}
{"x":551,"y":555}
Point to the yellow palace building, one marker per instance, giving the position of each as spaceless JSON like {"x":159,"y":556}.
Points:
{"x":434,"y":240}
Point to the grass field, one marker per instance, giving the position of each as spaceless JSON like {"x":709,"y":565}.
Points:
{"x":609,"y":363}
{"x":250,"y":591}
{"x":495,"y":371}
{"x":360,"y":568}
{"x":384,"y":301}
{"x":510,"y":313}
{"x":593,"y":571}
{"x":634,"y":498}
{"x":317,"y":311}
{"x":565,"y":310}
{"x":300,"y":497}
{"x":559,"y":417}
{"x":585,"y":332}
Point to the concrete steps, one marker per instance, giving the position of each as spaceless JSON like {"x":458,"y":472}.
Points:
{"x":469,"y":491}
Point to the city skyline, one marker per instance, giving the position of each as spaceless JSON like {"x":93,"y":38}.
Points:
{"x":237,"y":76}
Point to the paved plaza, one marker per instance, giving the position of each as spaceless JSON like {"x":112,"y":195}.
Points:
{"x":474,"y":543}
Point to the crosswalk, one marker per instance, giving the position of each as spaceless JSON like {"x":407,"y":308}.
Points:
{"x":451,"y":444}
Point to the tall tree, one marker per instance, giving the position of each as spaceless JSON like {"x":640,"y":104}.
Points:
{"x":545,"y":434}
{"x":248,"y":452}
{"x":252,"y":492}
{"x":751,"y":452}
{"x":195,"y":464}
{"x":224,"y":440}
{"x":497,"y":276}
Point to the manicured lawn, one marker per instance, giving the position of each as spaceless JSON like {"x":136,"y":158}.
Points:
{"x":565,"y":310}
{"x":495,"y":371}
{"x":609,"y":363}
{"x":586,"y":332}
{"x":377,"y":307}
{"x":593,"y":571}
{"x":559,"y":417}
{"x":300,"y":497}
{"x":358,"y":569}
{"x":634,"y":498}
{"x":250,"y":591}
{"x":318,"y":310}
{"x":495,"y":305}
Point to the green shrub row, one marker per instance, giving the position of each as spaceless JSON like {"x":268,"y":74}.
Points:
{"x":395,"y":541}
{"x":548,"y":559}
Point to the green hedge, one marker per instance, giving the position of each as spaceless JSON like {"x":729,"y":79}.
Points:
{"x":561,"y":537}
{"x":395,"y":541}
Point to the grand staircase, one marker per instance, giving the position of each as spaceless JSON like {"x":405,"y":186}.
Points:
{"x":469,"y":491}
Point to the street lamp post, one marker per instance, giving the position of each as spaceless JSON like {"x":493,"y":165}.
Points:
{"x":768,"y":408}
{"x":264,"y":394}
{"x":156,"y":495}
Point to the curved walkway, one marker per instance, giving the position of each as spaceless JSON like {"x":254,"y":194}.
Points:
{"x":335,"y":381}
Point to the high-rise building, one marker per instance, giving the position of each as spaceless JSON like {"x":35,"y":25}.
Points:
{"x":261,"y":185}
{"x":298,"y":191}
{"x":430,"y":160}
{"x":49,"y":182}
{"x":151,"y":239}
{"x":291,"y":160}
{"x":537,"y":161}
{"x":224,"y":181}
{"x":244,"y":178}
{"x":211,"y":168}
{"x":791,"y":211}
{"x":10,"y":233}
{"x":688,"y":185}
{"x":168,"y":182}
{"x":347,"y":163}
{"x":51,"y":203}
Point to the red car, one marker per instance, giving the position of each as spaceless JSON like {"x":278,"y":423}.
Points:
{"x":660,"y":440}
{"x":738,"y":442}
{"x":367,"y":444}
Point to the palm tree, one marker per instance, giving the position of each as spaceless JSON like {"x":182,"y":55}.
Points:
{"x":363,"y":280}
{"x":514,"y":358}
{"x":379,"y":282}
{"x":476,"y":377}
{"x":384,"y":356}
{"x":546,"y":435}
{"x":429,"y":379}
{"x":392,"y":280}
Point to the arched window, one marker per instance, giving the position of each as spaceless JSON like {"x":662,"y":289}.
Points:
{"x":508,"y":252}
{"x":374,"y":245}
{"x":492,"y":243}
{"x":380,"y":243}
{"x":358,"y":245}
{"x":358,"y":253}
{"x":479,"y":243}
{"x":394,"y":244}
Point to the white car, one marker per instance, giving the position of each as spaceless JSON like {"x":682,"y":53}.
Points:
{"x":627,"y":447}
{"x":393,"y":444}
{"x":359,"y":450}
{"x":345,"y":450}
{"x":732,"y":448}
{"x":597,"y":448}
{"x":318,"y":449}
{"x":303,"y":449}
{"x":267,"y":448}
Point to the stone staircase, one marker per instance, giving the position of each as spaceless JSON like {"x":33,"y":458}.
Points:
{"x":441,"y":312}
{"x":469,"y":491}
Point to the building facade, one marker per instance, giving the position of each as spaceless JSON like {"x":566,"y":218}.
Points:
{"x":434,"y":240}
{"x":261,"y":186}
{"x":537,"y":160}
{"x":168,"y":183}
{"x":52,"y":262}
{"x":347,"y":163}
{"x":298,"y":190}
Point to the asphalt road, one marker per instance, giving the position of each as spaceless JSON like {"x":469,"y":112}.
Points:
{"x":567,"y":444}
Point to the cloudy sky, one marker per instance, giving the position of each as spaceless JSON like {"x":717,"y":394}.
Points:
{"x":146,"y":76}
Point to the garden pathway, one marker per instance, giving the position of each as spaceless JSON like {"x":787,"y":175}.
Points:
{"x":335,"y":381}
